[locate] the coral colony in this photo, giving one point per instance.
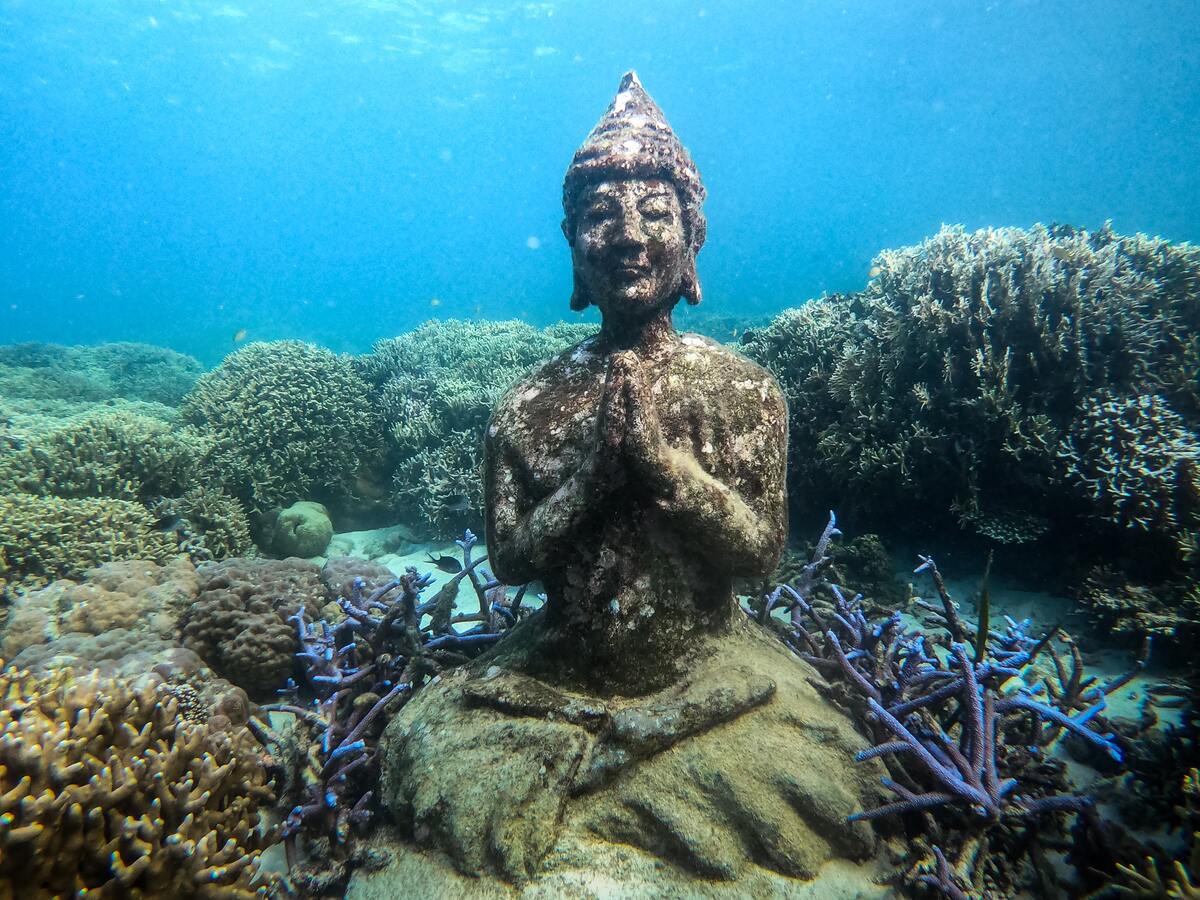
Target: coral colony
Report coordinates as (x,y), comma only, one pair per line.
(942,707)
(367,665)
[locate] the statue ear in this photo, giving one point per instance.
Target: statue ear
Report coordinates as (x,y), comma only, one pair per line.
(689,281)
(566,230)
(580,298)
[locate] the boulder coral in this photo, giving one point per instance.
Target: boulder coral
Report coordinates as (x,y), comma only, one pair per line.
(130,594)
(239,625)
(435,388)
(107,790)
(954,381)
(289,421)
(303,530)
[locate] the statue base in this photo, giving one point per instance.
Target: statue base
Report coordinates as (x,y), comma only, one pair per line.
(740,775)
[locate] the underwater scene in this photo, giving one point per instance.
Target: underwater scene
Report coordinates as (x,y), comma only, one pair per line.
(457,449)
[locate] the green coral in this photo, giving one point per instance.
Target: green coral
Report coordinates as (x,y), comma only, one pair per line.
(130,370)
(44,538)
(435,388)
(954,379)
(289,421)
(107,453)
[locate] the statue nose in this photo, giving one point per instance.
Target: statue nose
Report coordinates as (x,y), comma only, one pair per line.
(630,228)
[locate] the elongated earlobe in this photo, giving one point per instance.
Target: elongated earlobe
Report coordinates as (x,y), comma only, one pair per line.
(689,282)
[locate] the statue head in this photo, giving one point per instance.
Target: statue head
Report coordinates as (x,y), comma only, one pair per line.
(632,202)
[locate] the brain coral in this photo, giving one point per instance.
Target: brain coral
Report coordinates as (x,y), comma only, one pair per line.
(43,538)
(290,421)
(107,791)
(950,383)
(435,388)
(239,624)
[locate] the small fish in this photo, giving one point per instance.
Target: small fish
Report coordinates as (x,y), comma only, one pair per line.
(457,503)
(733,333)
(436,301)
(240,335)
(446,563)
(875,272)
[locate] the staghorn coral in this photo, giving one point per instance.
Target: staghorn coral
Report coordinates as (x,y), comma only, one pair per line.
(435,388)
(289,421)
(365,668)
(105,789)
(43,538)
(239,622)
(956,376)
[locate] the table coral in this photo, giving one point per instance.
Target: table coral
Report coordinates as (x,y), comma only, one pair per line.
(106,790)
(290,421)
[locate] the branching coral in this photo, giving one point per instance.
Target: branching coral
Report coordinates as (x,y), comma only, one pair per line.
(43,538)
(361,670)
(435,388)
(961,717)
(1135,458)
(208,524)
(956,376)
(289,420)
(106,790)
(118,454)
(134,371)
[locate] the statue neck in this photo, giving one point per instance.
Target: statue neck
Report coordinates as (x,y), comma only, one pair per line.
(643,336)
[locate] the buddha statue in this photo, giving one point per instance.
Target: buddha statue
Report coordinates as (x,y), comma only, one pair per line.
(638,735)
(638,473)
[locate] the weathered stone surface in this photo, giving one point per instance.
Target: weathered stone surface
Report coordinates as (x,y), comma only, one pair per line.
(742,771)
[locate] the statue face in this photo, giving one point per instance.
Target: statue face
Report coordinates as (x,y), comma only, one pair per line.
(630,247)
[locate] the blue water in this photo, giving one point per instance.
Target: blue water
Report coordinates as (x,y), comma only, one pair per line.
(176,171)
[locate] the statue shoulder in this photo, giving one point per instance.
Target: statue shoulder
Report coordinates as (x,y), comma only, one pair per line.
(547,377)
(732,368)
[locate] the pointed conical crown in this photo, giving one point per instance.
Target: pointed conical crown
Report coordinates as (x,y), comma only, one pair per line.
(633,140)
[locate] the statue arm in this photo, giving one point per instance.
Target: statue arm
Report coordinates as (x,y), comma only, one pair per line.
(744,535)
(525,537)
